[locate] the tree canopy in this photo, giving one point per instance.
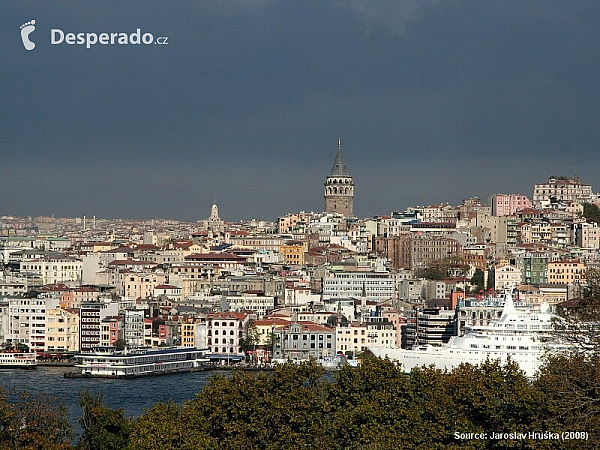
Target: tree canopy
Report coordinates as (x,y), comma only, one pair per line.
(443,268)
(373,406)
(591,212)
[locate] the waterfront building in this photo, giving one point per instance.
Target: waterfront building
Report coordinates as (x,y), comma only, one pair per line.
(354,337)
(339,187)
(27,321)
(225,331)
(300,341)
(429,326)
(89,323)
(157,332)
(62,330)
(193,332)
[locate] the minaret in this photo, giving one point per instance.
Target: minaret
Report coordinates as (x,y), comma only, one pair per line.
(339,187)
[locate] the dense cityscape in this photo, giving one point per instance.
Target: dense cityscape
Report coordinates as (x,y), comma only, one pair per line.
(324,285)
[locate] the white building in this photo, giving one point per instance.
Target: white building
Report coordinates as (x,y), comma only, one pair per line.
(27,321)
(224,332)
(261,305)
(586,235)
(506,278)
(562,189)
(51,270)
(376,286)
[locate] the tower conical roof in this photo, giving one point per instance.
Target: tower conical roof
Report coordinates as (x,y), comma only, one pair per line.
(339,166)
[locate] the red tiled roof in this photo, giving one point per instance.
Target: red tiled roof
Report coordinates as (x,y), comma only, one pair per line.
(146,247)
(312,326)
(55,287)
(122,249)
(227,315)
(86,289)
(239,233)
(268,322)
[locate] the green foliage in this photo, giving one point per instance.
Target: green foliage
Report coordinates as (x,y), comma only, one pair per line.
(478,280)
(591,212)
(34,422)
(580,326)
(268,410)
(159,427)
(251,338)
(8,428)
(373,406)
(569,382)
(103,428)
(569,387)
(443,268)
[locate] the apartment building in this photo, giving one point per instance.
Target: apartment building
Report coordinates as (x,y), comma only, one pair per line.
(27,321)
(62,330)
(562,189)
(566,272)
(508,204)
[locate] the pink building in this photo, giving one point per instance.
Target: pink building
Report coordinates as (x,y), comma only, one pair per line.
(508,204)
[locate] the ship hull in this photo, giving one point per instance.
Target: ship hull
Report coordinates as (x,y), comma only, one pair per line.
(449,358)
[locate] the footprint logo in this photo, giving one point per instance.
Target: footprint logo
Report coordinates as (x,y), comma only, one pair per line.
(26,30)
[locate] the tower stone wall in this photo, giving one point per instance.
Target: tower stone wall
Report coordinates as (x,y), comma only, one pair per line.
(339,187)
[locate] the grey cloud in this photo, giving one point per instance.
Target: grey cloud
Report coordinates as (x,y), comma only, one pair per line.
(397,16)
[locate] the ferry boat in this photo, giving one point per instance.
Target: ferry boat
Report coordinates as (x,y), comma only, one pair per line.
(18,360)
(522,336)
(131,363)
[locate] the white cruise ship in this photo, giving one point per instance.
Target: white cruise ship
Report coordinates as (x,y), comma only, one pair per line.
(18,360)
(521,335)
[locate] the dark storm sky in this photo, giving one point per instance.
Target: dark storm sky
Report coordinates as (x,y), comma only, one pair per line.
(435,101)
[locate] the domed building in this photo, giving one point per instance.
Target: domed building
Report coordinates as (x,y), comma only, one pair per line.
(214,222)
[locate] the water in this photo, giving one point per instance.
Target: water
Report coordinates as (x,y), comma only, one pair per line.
(133,396)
